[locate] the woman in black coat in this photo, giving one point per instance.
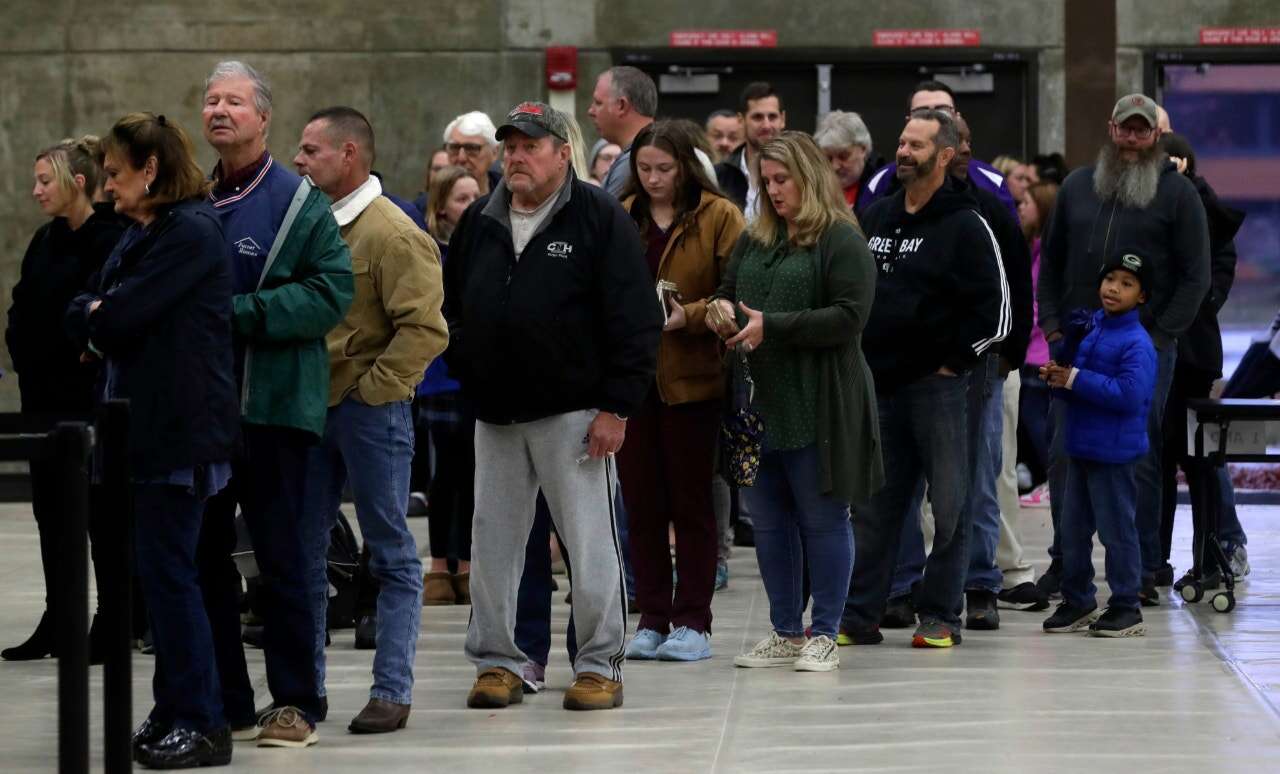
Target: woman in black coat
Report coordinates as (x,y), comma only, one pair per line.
(159,315)
(52,381)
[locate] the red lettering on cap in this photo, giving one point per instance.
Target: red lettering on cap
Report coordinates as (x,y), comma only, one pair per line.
(528,107)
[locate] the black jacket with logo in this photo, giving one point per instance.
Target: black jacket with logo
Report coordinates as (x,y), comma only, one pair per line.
(571,323)
(941,295)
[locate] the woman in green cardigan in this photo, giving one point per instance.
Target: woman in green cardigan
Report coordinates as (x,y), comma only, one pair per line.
(802,280)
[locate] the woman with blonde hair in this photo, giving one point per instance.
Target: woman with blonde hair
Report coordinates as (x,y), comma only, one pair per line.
(802,282)
(452,191)
(52,381)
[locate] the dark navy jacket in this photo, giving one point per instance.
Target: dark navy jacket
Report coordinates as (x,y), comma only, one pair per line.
(1108,402)
(165,325)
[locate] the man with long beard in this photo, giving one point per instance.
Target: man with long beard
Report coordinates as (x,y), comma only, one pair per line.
(1132,199)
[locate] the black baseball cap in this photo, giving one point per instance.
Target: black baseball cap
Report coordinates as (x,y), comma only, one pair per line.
(1132,263)
(535,119)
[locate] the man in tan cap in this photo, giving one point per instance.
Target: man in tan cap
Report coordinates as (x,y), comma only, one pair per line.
(1132,196)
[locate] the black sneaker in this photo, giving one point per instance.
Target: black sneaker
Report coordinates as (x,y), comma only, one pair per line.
(899,614)
(1050,584)
(870,637)
(1067,619)
(1024,596)
(981,613)
(1119,622)
(1150,595)
(1209,582)
(1164,575)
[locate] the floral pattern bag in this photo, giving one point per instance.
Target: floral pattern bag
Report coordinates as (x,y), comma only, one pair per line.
(742,429)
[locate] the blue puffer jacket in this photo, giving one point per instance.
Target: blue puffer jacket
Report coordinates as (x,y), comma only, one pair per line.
(1111,395)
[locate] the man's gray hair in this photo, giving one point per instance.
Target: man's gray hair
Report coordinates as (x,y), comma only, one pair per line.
(473,124)
(637,87)
(948,135)
(839,129)
(234,68)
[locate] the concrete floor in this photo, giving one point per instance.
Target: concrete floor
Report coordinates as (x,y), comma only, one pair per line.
(1200,692)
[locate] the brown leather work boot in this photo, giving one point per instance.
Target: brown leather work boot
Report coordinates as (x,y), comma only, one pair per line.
(380,717)
(437,589)
(495,688)
(591,691)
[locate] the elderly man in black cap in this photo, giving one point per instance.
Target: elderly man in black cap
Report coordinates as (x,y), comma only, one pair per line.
(1132,196)
(554,327)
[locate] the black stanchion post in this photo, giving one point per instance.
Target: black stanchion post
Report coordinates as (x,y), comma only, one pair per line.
(113,506)
(71,442)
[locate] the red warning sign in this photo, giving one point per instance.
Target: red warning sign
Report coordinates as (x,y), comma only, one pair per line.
(1240,36)
(926,38)
(724,39)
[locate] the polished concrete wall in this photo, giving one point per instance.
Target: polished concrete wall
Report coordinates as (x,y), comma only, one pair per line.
(71,67)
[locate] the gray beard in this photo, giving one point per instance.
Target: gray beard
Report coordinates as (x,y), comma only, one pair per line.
(1133,184)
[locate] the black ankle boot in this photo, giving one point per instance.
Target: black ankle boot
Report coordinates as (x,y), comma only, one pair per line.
(37,646)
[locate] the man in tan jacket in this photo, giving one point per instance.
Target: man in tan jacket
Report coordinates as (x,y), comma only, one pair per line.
(377,356)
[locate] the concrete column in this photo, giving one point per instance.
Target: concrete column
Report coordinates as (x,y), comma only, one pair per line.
(1090,59)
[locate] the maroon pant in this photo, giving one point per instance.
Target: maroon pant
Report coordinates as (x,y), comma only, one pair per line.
(665,467)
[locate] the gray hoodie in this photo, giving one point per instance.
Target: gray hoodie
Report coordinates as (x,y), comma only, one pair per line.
(1171,233)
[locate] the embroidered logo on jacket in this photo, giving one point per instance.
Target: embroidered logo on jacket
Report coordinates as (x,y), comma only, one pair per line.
(560,249)
(248,247)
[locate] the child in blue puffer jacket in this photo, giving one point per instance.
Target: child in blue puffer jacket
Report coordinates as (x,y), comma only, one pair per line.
(1108,387)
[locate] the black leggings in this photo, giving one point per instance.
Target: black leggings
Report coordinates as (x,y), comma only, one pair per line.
(452,497)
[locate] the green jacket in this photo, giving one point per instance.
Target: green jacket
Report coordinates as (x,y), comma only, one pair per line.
(848,424)
(305,290)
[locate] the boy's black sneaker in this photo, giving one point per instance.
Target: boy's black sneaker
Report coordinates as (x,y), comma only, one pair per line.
(899,613)
(1149,596)
(981,613)
(1067,619)
(1024,596)
(1119,622)
(1164,575)
(1209,582)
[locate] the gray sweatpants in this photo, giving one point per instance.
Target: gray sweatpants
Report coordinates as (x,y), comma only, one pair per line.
(512,463)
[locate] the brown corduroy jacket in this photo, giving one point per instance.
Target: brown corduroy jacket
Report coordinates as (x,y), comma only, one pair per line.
(689,364)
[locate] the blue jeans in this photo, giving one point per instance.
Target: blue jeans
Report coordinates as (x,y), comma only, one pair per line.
(984,504)
(166,534)
(793,522)
(1033,416)
(925,432)
(1148,471)
(1100,497)
(373,447)
(533,602)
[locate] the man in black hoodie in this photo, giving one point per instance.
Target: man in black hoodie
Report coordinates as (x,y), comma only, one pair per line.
(942,302)
(1135,197)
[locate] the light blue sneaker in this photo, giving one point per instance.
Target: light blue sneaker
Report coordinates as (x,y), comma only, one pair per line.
(722,576)
(684,644)
(644,646)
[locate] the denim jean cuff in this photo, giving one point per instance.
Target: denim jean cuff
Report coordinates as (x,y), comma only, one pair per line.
(395,698)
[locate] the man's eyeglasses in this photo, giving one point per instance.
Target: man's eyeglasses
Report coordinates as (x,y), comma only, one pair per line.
(471,148)
(1140,133)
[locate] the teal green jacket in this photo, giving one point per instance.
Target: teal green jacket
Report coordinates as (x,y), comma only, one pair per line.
(304,291)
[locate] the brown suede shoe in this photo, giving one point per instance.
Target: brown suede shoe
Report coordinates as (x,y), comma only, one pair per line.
(591,691)
(437,589)
(495,688)
(462,588)
(380,717)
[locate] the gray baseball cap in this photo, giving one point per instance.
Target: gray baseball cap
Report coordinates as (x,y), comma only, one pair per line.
(535,119)
(1131,105)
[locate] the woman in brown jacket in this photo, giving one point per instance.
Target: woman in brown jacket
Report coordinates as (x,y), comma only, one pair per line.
(666,465)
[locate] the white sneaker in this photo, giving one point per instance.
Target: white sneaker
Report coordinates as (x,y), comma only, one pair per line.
(772,651)
(819,654)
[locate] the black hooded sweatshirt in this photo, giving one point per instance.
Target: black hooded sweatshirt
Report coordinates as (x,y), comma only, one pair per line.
(941,294)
